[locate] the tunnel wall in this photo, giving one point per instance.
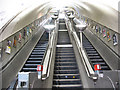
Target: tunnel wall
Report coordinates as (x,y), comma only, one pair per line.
(104,33)
(15,43)
(100,13)
(24,18)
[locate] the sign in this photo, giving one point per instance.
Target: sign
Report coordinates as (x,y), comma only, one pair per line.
(115,40)
(39,67)
(97,67)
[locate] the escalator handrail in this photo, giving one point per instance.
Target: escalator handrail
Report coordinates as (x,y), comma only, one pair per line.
(88,67)
(81,51)
(49,53)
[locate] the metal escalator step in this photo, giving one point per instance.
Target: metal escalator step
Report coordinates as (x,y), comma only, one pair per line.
(35,58)
(64,48)
(96,60)
(36,55)
(89,47)
(65,56)
(105,68)
(67,82)
(31,65)
(33,62)
(40,46)
(66,71)
(91,51)
(94,57)
(68,86)
(65,68)
(29,69)
(65,64)
(65,74)
(67,77)
(65,60)
(64,52)
(101,63)
(38,50)
(95,54)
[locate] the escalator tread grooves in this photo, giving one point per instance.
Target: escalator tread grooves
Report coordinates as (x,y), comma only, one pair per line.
(93,55)
(36,55)
(66,73)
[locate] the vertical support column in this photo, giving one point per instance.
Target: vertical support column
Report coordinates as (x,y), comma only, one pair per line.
(81,40)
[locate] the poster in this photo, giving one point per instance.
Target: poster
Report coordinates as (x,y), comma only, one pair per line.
(9,43)
(27,31)
(96,28)
(100,30)
(24,33)
(8,50)
(30,31)
(15,42)
(115,40)
(104,32)
(20,37)
(108,36)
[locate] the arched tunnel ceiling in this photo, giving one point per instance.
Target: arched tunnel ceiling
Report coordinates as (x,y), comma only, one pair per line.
(94,9)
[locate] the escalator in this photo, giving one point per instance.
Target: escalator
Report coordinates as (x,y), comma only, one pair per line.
(36,56)
(66,72)
(93,55)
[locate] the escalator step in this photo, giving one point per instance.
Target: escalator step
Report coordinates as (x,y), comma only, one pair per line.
(65,64)
(65,61)
(67,77)
(94,57)
(66,71)
(29,69)
(33,62)
(96,60)
(35,58)
(75,86)
(65,68)
(71,82)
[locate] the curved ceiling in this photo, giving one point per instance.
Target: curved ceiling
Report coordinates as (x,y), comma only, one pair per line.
(94,9)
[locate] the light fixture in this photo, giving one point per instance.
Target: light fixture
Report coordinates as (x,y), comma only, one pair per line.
(49,28)
(81,28)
